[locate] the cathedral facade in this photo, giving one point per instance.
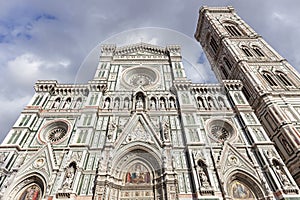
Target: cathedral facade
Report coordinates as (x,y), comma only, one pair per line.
(141,130)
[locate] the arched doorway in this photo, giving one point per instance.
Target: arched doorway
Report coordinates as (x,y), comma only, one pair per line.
(238,190)
(31,188)
(244,186)
(139,183)
(140,172)
(135,172)
(32,192)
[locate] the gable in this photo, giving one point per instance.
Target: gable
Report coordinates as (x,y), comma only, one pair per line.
(44,161)
(139,128)
(141,49)
(232,159)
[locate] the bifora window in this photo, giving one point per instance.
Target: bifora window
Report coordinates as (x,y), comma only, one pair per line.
(258,51)
(227,63)
(213,44)
(224,71)
(268,77)
(283,78)
(247,51)
(232,30)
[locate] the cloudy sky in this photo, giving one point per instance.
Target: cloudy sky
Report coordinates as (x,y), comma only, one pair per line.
(60,39)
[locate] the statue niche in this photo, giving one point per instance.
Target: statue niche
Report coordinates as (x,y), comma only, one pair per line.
(69,175)
(140,101)
(203,175)
(282,177)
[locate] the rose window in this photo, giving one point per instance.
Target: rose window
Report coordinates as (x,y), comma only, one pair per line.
(140,80)
(56,134)
(140,76)
(219,132)
(55,131)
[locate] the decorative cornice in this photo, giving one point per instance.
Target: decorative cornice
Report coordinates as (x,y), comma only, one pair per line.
(54,88)
(140,47)
(206,88)
(108,48)
(64,89)
(98,85)
(228,9)
(233,84)
(182,84)
(174,48)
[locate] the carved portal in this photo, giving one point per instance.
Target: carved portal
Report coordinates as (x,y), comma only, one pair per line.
(136,174)
(238,190)
(31,192)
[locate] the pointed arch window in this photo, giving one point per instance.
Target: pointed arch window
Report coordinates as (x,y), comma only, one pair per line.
(246,93)
(67,103)
(233,30)
(247,51)
(36,100)
(224,71)
(227,63)
(258,51)
(283,78)
(239,98)
(221,102)
(78,102)
(200,102)
(56,103)
(213,44)
(268,77)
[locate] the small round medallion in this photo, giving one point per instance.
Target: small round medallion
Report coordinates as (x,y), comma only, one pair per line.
(38,163)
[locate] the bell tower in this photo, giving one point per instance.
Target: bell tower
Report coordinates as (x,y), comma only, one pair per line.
(271,85)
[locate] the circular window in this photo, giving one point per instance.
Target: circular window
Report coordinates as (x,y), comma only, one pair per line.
(140,80)
(54,131)
(220,130)
(140,76)
(57,134)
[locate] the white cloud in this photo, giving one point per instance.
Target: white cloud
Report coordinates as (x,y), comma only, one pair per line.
(29,67)
(25,67)
(9,111)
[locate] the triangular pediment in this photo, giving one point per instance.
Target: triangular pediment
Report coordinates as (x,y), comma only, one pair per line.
(141,49)
(139,128)
(231,159)
(44,161)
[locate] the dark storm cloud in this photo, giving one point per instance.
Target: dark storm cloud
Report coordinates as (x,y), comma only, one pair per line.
(50,39)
